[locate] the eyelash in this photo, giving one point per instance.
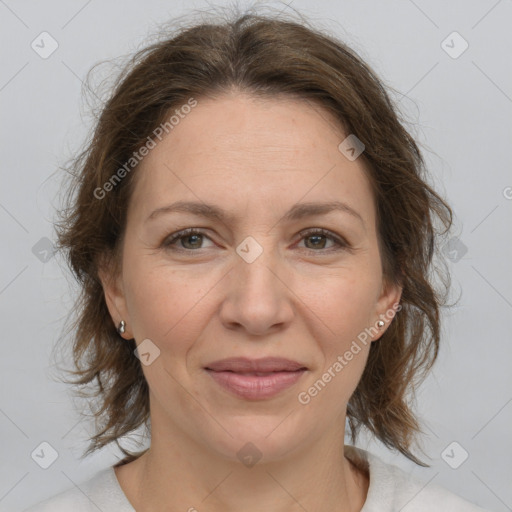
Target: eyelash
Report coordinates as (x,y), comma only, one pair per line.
(175,237)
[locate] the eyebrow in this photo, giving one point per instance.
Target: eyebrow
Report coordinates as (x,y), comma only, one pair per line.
(296,212)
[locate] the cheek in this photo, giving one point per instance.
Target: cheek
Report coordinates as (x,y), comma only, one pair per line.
(165,305)
(343,311)
(342,302)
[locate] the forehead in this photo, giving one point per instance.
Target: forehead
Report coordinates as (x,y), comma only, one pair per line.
(241,152)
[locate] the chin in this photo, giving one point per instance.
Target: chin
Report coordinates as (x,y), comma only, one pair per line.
(265,438)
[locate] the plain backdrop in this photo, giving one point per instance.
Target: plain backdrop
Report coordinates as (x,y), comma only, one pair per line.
(458,103)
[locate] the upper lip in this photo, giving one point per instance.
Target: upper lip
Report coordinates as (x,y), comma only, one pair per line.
(266,364)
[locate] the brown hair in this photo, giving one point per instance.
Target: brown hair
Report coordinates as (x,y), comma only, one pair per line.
(265,56)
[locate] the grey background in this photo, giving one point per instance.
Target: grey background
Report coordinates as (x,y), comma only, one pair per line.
(458,108)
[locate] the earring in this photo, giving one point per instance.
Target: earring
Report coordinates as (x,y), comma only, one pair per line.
(380,324)
(121,327)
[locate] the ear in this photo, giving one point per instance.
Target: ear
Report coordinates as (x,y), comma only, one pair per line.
(111,281)
(387,306)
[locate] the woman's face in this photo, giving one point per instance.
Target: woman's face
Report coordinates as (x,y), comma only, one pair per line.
(260,282)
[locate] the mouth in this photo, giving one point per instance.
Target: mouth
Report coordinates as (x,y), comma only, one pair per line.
(255,379)
(264,365)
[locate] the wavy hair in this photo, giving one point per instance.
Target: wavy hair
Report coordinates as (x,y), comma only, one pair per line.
(267,56)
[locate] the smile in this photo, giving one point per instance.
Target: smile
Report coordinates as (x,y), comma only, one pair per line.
(256,379)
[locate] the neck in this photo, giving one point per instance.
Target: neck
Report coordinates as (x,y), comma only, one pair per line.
(188,477)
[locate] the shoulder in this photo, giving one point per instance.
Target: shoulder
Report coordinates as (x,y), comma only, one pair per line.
(101,492)
(391,488)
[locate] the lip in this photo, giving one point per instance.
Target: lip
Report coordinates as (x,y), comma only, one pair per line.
(256,379)
(245,365)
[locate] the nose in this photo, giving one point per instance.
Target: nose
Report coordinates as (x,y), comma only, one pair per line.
(257,297)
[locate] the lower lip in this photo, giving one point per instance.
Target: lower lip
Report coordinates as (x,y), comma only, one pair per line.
(256,387)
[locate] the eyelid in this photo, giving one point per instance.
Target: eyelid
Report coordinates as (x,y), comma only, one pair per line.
(326,232)
(341,242)
(171,240)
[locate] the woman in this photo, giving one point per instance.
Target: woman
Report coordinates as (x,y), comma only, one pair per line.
(253,233)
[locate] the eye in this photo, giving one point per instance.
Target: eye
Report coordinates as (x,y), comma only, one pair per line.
(191,237)
(318,237)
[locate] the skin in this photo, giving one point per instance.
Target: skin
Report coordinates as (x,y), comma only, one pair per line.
(304,298)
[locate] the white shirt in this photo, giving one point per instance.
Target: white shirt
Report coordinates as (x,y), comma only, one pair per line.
(391,489)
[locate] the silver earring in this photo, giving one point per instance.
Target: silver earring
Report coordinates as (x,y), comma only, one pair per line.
(380,324)
(121,327)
